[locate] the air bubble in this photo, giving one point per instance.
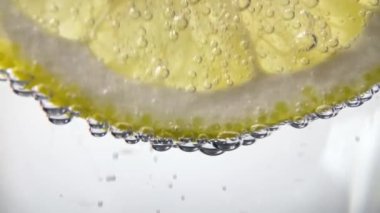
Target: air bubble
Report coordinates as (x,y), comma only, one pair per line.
(100,204)
(147,15)
(333,42)
(180,22)
(247,140)
(169,13)
(310,3)
(300,123)
(162,145)
(306,41)
(227,145)
(260,131)
(19,88)
(118,133)
(288,14)
(60,119)
(241,4)
(132,139)
(208,149)
(198,59)
(134,13)
(162,72)
(142,42)
(173,35)
(111,178)
(170,186)
(98,129)
(326,112)
(187,145)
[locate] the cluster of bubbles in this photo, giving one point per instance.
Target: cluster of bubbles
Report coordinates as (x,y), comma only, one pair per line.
(213,147)
(298,34)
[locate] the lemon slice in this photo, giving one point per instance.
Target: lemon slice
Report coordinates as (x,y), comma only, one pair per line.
(193,68)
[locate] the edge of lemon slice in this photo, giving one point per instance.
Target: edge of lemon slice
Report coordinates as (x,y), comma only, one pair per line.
(78,80)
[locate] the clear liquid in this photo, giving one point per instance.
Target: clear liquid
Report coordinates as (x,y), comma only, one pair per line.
(330,166)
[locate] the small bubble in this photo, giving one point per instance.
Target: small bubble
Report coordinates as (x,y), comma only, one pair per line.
(111,178)
(115,156)
(230,82)
(306,41)
(244,44)
(134,13)
(155,159)
(142,42)
(173,35)
(192,73)
(169,13)
(297,25)
(216,51)
(288,14)
(207,85)
(198,59)
(310,3)
(305,61)
(54,23)
(170,185)
(162,72)
(180,22)
(333,42)
(242,4)
(191,88)
(147,15)
(100,204)
(214,44)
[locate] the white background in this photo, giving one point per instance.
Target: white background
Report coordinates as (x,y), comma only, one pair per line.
(331,166)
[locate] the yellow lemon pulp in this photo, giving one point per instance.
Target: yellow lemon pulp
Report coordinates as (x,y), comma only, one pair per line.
(203,45)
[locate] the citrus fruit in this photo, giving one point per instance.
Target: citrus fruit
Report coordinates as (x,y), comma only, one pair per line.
(193,68)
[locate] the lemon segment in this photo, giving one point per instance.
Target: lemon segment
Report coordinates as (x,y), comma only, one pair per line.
(194,46)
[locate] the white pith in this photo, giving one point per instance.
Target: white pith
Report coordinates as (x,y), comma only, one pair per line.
(73,63)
